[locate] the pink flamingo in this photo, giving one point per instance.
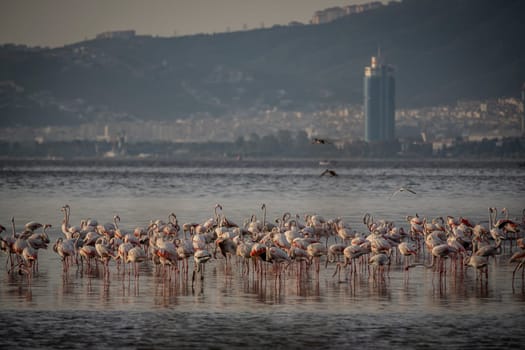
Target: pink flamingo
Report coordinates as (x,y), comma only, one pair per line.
(518,257)
(480,263)
(440,253)
(87,252)
(379,261)
(315,252)
(406,250)
(135,256)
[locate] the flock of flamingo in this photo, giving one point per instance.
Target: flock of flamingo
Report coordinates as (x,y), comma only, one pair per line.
(260,247)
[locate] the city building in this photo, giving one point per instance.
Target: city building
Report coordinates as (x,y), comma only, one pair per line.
(523,110)
(117,34)
(379,102)
(332,13)
(327,15)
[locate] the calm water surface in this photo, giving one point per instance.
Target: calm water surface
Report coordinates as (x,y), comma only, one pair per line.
(228,310)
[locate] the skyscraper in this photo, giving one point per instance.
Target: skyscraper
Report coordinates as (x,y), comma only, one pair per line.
(380,106)
(523,110)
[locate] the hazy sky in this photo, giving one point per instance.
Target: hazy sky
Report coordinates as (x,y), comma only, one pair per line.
(58,22)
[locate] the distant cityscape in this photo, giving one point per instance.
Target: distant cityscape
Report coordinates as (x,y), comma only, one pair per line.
(332,13)
(432,129)
(376,127)
(376,121)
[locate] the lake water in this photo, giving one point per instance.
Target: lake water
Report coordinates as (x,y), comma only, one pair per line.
(414,309)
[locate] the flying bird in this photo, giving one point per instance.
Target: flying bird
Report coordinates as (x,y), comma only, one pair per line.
(403,189)
(320,141)
(329,172)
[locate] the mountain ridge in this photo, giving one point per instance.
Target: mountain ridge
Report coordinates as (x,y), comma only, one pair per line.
(442,51)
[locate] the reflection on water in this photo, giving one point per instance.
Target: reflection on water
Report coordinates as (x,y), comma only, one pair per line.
(230,309)
(227,309)
(224,286)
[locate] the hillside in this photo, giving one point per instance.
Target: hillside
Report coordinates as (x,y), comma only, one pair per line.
(443,50)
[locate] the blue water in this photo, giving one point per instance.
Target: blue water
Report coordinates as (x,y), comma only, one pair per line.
(414,309)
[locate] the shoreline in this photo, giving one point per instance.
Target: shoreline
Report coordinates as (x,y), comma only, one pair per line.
(258,161)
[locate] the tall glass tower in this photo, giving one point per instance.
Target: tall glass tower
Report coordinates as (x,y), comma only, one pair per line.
(523,110)
(380,106)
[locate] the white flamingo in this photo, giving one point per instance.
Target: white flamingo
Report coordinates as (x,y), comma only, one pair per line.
(200,258)
(406,250)
(315,252)
(480,263)
(104,253)
(135,256)
(379,261)
(88,253)
(66,250)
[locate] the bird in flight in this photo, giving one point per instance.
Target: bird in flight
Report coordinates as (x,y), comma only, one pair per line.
(329,172)
(403,189)
(320,141)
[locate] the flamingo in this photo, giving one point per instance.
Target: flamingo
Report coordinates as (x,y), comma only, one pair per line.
(315,252)
(68,230)
(122,253)
(378,261)
(508,226)
(440,253)
(136,255)
(2,229)
(344,232)
(281,239)
(66,250)
(518,257)
(167,252)
(21,242)
(417,229)
(34,242)
(88,252)
(258,252)
(279,256)
(104,253)
(407,250)
(263,208)
(318,224)
(350,253)
(91,237)
(184,250)
(293,232)
(40,240)
(520,242)
(437,223)
(200,258)
(300,256)
(32,226)
(8,244)
(334,252)
(30,256)
(488,250)
(199,241)
(243,251)
(480,263)
(227,246)
(172,228)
